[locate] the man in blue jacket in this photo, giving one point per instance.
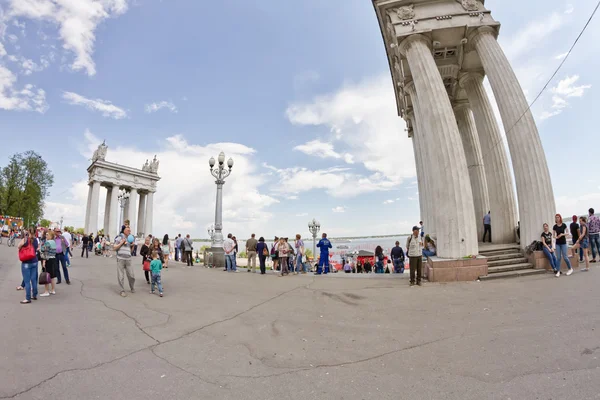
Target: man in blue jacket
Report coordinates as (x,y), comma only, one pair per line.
(324,244)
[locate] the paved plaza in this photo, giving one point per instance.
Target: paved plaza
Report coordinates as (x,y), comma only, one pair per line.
(218,335)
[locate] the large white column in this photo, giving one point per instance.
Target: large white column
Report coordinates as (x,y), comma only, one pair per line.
(113,220)
(149,212)
(503,205)
(418,164)
(141,221)
(132,210)
(94,200)
(450,185)
(534,186)
(422,158)
(86,221)
(475,164)
(106,225)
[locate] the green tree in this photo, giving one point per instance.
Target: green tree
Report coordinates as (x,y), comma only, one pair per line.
(70,228)
(308,253)
(79,231)
(45,223)
(24,186)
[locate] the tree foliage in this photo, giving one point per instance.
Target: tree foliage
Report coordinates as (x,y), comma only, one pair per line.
(79,231)
(24,186)
(45,223)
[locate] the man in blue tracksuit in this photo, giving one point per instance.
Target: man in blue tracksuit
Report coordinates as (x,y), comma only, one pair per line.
(324,244)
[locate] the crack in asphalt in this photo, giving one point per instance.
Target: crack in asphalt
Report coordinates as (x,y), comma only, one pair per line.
(151,347)
(137,323)
(342,364)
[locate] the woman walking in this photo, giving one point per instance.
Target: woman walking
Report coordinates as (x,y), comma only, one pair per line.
(166,250)
(146,258)
(560,236)
(29,267)
(263,252)
(283,250)
(49,249)
(584,242)
(549,250)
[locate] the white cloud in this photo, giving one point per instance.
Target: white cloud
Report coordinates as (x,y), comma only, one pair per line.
(569,9)
(177,210)
(323,150)
(565,89)
(105,107)
(561,56)
(77,21)
(27,99)
(302,215)
(2,50)
(388,202)
(337,181)
(363,117)
(154,107)
(28,66)
(339,209)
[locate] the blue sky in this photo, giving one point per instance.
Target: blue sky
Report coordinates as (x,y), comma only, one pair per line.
(297,92)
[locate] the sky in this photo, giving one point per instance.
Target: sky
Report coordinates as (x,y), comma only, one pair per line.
(298,93)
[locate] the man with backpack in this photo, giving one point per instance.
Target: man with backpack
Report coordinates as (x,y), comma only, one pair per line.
(188,248)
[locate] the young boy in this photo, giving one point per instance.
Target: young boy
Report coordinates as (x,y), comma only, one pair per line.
(155,267)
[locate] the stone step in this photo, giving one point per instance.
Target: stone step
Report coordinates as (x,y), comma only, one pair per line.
(518,260)
(513,274)
(509,267)
(503,257)
(500,252)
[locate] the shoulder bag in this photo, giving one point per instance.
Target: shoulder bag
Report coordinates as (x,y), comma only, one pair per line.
(27,252)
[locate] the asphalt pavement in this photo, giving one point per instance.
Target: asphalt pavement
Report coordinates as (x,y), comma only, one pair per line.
(218,335)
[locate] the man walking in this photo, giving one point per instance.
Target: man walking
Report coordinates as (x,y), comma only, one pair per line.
(300,267)
(69,240)
(178,255)
(415,256)
(123,249)
(251,252)
(594,229)
(188,247)
(61,249)
(397,256)
(487,226)
(324,244)
(229,248)
(85,242)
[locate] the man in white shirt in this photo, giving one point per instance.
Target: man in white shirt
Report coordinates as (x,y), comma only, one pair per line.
(69,240)
(229,247)
(415,255)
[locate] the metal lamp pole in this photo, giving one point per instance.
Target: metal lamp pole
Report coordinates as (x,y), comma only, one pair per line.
(220,173)
(314,227)
(61,223)
(211,233)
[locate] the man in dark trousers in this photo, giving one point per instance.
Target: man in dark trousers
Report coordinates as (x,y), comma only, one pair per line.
(415,255)
(487,226)
(397,256)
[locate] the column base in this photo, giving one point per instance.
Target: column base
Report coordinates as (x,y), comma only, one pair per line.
(215,257)
(456,270)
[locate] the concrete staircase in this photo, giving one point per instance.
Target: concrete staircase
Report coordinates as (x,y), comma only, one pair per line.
(506,261)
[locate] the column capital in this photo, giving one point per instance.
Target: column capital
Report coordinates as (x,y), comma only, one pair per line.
(410,88)
(459,105)
(470,76)
(475,35)
(418,38)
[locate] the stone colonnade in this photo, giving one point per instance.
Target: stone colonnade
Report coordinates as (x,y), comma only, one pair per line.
(138,209)
(462,166)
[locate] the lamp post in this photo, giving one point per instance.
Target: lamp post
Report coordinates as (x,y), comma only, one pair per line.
(61,223)
(314,227)
(123,200)
(211,232)
(220,172)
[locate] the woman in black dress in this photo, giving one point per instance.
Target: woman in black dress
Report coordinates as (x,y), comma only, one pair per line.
(146,257)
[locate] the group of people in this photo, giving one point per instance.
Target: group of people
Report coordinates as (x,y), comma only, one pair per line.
(51,249)
(585,234)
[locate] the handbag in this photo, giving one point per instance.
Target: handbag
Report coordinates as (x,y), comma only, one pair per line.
(146,265)
(27,252)
(265,252)
(44,278)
